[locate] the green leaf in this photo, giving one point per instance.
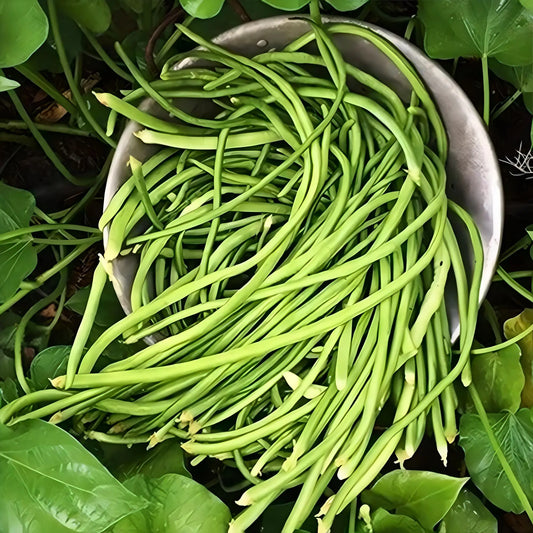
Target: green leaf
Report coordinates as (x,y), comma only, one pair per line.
(520,77)
(514,433)
(7,84)
(23,29)
(474,28)
(178,505)
(528,4)
(468,514)
(511,328)
(423,496)
(50,482)
(48,364)
(8,327)
(385,522)
(203,9)
(7,366)
(287,5)
(16,205)
(109,308)
(166,458)
(95,15)
(347,5)
(499,379)
(8,391)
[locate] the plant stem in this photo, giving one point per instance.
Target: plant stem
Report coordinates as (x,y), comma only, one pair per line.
(105,56)
(506,104)
(54,25)
(486,88)
(522,243)
(54,128)
(514,284)
(499,452)
(47,87)
(43,143)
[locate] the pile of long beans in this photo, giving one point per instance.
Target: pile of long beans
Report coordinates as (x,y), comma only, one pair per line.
(293,250)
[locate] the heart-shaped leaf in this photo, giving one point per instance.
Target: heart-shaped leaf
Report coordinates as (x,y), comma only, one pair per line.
(514,433)
(474,28)
(95,15)
(424,496)
(23,28)
(50,482)
(47,365)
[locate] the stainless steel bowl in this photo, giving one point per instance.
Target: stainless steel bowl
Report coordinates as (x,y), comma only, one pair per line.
(473,176)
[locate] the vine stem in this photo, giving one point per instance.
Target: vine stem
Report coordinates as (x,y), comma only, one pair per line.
(486,88)
(478,404)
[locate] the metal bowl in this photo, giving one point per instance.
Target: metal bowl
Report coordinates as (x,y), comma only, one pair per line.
(473,176)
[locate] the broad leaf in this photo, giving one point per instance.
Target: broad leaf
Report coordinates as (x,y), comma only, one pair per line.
(423,496)
(287,5)
(166,458)
(178,504)
(520,77)
(50,482)
(16,207)
(499,379)
(7,85)
(48,364)
(511,328)
(474,28)
(528,4)
(347,5)
(95,15)
(9,391)
(203,9)
(514,433)
(17,260)
(385,522)
(468,514)
(109,309)
(23,28)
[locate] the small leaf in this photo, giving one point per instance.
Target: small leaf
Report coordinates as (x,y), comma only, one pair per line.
(49,364)
(287,5)
(474,28)
(468,514)
(23,29)
(511,328)
(203,9)
(17,260)
(347,5)
(109,308)
(520,77)
(8,391)
(423,496)
(514,433)
(499,379)
(385,522)
(50,482)
(7,84)
(166,458)
(95,15)
(17,205)
(178,505)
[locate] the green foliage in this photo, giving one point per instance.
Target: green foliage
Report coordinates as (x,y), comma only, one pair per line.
(385,522)
(23,28)
(178,504)
(95,15)
(294,5)
(203,9)
(499,379)
(423,496)
(18,258)
(514,433)
(511,328)
(47,365)
(50,482)
(474,28)
(520,77)
(468,514)
(166,458)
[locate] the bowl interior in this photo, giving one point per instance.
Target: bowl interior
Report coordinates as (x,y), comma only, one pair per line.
(472,168)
